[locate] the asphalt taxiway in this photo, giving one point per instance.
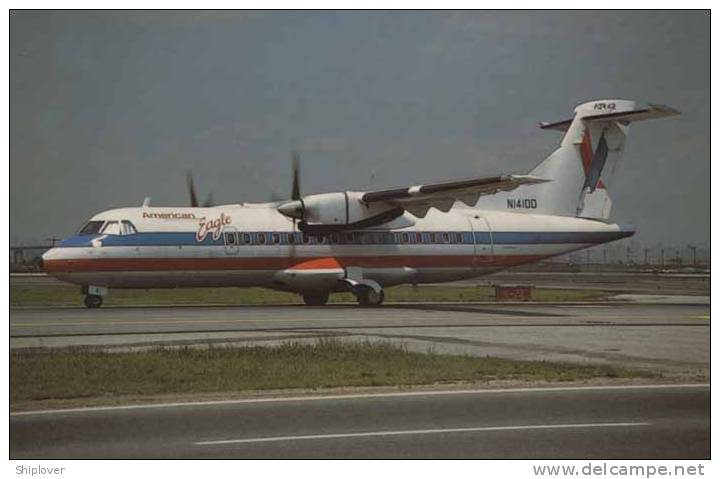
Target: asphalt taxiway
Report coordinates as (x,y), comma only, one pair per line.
(667,337)
(640,282)
(631,422)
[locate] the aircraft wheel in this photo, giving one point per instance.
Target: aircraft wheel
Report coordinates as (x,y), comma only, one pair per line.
(370,297)
(93,301)
(315,299)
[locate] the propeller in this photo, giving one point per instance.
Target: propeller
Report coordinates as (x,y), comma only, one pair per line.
(193,195)
(296,176)
(191,190)
(274,197)
(296,204)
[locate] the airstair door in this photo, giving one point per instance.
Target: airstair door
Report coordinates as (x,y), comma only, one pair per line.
(230,238)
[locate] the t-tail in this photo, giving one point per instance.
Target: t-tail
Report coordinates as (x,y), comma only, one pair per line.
(580,169)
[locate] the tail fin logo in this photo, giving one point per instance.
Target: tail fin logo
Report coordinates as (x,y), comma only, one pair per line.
(593,163)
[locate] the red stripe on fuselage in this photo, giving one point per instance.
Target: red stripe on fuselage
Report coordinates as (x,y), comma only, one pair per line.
(279,263)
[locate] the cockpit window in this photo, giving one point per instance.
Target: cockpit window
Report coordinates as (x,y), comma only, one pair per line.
(127,228)
(92,228)
(111,228)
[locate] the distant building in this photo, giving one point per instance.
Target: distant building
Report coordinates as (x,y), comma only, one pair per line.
(26,258)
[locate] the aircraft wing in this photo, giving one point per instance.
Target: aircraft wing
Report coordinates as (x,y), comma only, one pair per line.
(420,198)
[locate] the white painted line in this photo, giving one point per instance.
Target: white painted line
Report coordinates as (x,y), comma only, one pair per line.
(418,432)
(340,397)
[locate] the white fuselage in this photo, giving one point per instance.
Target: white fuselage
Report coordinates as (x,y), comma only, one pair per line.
(254,245)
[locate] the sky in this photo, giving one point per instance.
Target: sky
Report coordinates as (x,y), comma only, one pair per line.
(107,108)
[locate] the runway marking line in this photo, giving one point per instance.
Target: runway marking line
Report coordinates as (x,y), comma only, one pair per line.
(194,321)
(340,397)
(417,432)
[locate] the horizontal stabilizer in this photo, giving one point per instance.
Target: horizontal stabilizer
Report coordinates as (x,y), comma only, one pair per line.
(651,112)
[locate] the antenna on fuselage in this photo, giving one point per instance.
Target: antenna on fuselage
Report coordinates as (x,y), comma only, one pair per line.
(146,202)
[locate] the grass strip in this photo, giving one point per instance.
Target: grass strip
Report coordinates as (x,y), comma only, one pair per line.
(60,295)
(91,373)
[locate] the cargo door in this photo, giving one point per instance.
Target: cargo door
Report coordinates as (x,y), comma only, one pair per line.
(483,241)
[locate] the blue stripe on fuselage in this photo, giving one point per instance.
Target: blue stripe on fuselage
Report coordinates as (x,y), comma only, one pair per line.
(498,238)
(141,239)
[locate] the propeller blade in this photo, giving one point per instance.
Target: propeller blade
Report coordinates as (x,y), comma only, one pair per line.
(296,176)
(209,201)
(191,190)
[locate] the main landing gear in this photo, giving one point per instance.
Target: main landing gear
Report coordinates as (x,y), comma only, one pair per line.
(366,296)
(315,299)
(370,297)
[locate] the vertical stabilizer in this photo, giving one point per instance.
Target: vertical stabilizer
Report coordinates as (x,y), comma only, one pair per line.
(580,169)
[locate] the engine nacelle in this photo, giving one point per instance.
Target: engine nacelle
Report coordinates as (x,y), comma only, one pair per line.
(339,210)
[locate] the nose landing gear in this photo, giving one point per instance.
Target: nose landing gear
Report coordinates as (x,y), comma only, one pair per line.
(369,297)
(93,301)
(94,295)
(315,299)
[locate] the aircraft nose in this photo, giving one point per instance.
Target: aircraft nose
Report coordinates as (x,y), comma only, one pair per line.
(43,258)
(48,255)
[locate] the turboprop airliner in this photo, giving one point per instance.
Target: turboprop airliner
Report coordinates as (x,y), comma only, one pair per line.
(364,241)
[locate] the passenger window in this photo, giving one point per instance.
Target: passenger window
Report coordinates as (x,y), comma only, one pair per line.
(457,237)
(111,228)
(230,238)
(432,238)
(276,238)
(405,238)
(247,239)
(305,238)
(445,237)
(418,238)
(261,238)
(291,238)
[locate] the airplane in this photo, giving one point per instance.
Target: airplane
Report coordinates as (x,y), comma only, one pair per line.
(365,241)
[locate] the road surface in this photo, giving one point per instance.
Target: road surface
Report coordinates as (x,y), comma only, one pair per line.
(627,422)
